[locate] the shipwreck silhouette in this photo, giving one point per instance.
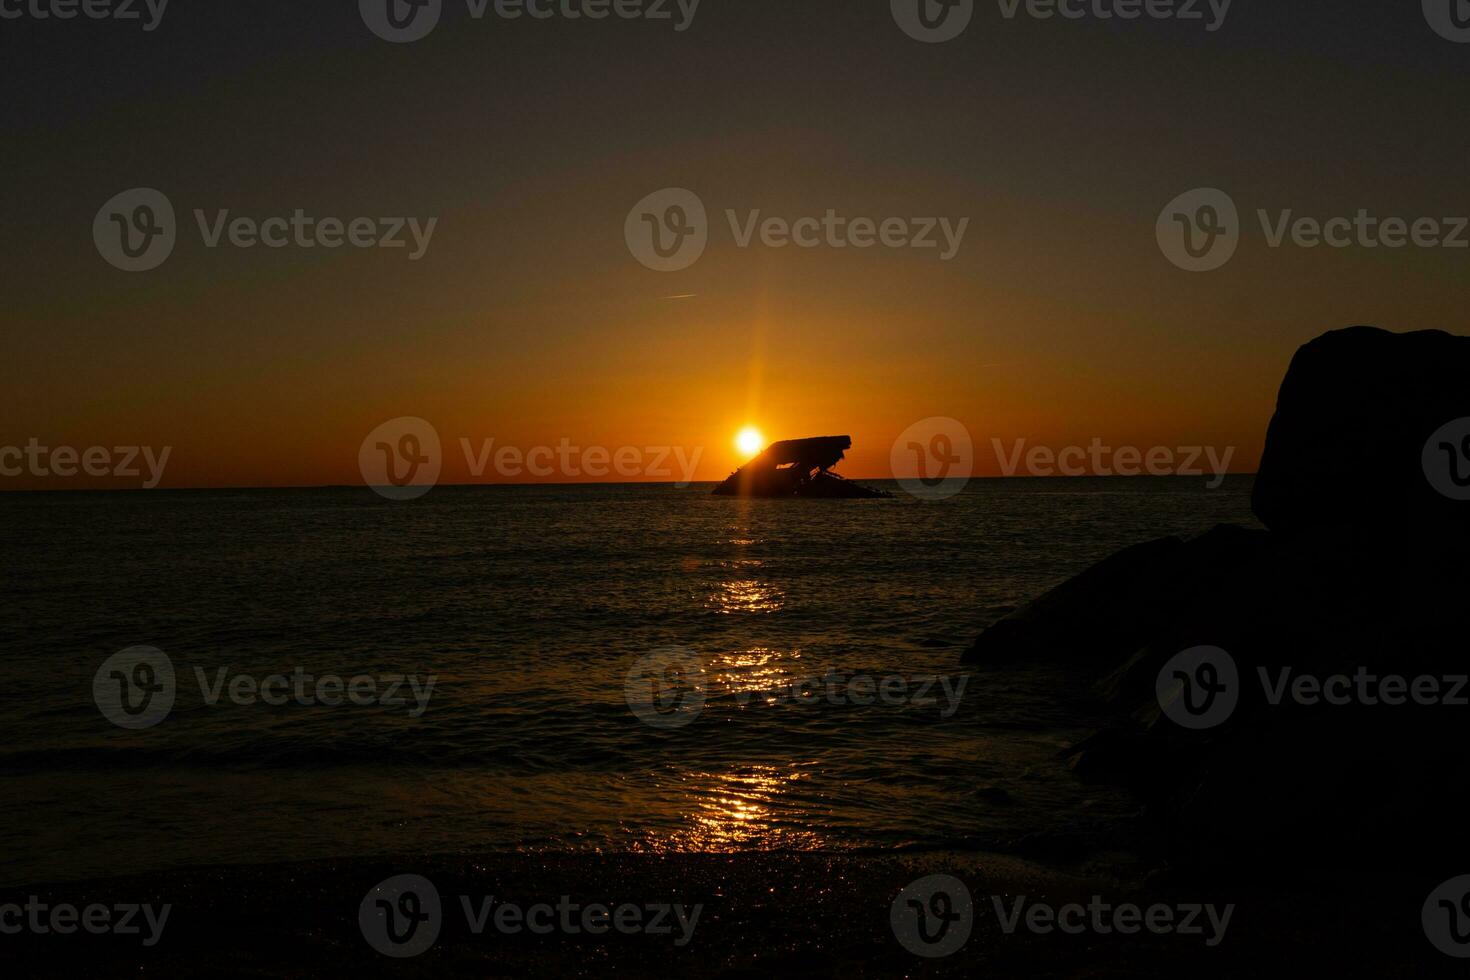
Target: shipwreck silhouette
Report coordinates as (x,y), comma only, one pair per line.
(796,468)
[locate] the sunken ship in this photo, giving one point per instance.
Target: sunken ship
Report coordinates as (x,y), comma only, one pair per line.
(796,468)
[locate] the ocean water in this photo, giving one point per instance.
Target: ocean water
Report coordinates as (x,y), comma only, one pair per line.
(530,607)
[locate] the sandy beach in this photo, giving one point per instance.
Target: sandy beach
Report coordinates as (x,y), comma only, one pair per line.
(761,915)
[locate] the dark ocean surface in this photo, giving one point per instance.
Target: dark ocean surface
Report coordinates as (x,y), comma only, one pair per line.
(529,607)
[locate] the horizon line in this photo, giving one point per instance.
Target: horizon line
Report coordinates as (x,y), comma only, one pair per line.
(583,483)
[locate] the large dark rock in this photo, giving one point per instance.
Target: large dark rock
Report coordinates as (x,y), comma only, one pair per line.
(1364,567)
(1355,472)
(1344,449)
(1122,603)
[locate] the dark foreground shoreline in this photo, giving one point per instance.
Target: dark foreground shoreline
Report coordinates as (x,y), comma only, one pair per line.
(764,914)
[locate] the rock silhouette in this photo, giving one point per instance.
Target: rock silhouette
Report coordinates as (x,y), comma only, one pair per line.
(1344,449)
(796,468)
(1329,619)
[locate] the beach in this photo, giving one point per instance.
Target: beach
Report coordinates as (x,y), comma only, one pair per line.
(762,915)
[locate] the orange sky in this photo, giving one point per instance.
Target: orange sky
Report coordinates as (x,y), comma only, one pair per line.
(530,322)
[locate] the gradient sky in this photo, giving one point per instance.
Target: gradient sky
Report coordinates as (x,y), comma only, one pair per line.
(529,321)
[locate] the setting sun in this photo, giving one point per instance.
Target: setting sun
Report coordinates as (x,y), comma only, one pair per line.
(750,441)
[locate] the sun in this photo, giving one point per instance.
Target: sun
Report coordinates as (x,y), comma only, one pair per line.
(749,441)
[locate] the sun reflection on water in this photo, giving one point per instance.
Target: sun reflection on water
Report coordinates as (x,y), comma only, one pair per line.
(744,593)
(757,671)
(748,809)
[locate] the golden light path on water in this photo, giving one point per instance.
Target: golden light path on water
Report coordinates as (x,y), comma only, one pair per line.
(742,810)
(738,810)
(747,595)
(751,807)
(740,591)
